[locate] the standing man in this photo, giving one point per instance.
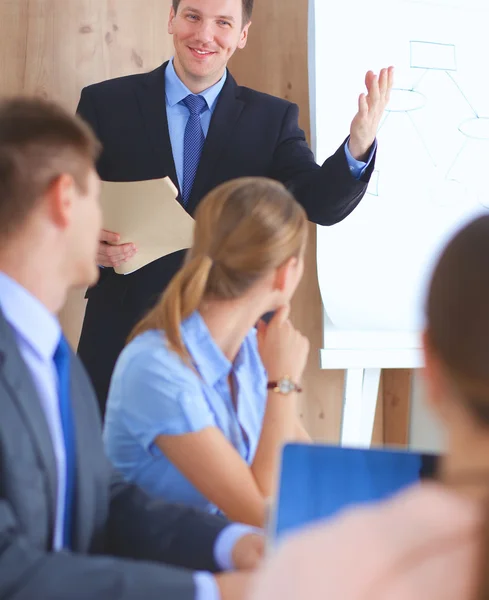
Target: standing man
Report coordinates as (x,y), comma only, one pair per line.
(70,528)
(189,120)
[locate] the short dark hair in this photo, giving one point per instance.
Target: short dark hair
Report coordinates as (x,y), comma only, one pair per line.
(39,142)
(247,9)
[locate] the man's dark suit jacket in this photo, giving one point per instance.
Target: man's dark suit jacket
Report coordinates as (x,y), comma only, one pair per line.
(250,134)
(111,517)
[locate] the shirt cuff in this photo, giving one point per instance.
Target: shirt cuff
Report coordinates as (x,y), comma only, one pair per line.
(205,586)
(226,540)
(358,167)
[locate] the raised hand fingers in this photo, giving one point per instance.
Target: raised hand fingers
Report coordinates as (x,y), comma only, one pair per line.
(373,95)
(362,105)
(368,79)
(390,83)
(383,82)
(372,82)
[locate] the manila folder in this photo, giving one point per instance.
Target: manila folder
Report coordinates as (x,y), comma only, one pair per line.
(147,214)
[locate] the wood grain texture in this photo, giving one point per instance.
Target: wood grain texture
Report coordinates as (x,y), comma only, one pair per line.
(275,58)
(397,387)
(392,418)
(53,48)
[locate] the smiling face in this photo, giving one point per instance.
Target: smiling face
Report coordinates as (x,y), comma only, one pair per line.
(206,33)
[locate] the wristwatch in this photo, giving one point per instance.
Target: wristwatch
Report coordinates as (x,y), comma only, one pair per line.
(283,386)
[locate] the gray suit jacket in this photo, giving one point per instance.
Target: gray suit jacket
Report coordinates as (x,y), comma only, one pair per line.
(114,522)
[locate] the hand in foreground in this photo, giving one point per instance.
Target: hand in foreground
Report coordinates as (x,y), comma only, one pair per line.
(282,348)
(110,255)
(371,107)
(234,586)
(248,552)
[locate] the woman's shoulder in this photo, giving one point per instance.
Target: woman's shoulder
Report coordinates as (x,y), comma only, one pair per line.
(148,355)
(150,345)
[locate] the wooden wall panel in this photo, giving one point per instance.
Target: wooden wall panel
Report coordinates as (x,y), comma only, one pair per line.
(397,386)
(392,418)
(53,48)
(275,58)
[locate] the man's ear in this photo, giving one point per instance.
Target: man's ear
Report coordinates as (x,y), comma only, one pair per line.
(59,199)
(170,20)
(244,36)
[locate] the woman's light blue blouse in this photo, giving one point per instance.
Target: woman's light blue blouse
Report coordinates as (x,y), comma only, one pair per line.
(154,392)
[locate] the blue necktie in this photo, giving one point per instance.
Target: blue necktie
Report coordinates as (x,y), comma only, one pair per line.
(62,362)
(193,143)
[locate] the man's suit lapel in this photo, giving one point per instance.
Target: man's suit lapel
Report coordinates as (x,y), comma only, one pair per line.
(226,114)
(18,378)
(152,100)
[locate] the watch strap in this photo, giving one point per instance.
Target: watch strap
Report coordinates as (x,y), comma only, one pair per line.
(284,386)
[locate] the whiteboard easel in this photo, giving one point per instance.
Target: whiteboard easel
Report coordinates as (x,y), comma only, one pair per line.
(363,355)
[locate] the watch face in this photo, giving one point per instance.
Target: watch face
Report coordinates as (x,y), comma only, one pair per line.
(285,386)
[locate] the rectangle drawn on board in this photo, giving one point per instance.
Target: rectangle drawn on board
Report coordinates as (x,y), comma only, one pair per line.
(431,55)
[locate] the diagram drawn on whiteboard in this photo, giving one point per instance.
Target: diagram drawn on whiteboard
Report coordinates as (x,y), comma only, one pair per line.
(429,57)
(431,164)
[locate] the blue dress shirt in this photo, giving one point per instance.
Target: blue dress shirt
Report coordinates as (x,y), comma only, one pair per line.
(154,392)
(38,332)
(178,115)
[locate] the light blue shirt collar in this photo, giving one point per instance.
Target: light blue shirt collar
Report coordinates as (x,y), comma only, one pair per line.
(29,317)
(210,360)
(176,90)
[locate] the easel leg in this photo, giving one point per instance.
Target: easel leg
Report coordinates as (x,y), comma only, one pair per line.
(360,403)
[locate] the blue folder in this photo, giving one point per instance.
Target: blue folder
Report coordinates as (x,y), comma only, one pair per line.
(317,481)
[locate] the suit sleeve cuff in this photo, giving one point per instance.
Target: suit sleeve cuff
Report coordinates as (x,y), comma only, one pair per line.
(226,540)
(358,167)
(205,586)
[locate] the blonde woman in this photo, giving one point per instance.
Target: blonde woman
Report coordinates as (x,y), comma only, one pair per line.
(200,401)
(432,541)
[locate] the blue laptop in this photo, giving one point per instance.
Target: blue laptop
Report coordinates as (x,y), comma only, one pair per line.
(317,481)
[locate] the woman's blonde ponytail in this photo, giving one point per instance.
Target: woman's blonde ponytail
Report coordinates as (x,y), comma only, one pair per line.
(181,298)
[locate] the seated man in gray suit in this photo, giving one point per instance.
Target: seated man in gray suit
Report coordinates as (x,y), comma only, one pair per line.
(69,526)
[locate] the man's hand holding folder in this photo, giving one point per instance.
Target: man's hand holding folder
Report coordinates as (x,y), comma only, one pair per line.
(111,252)
(143,221)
